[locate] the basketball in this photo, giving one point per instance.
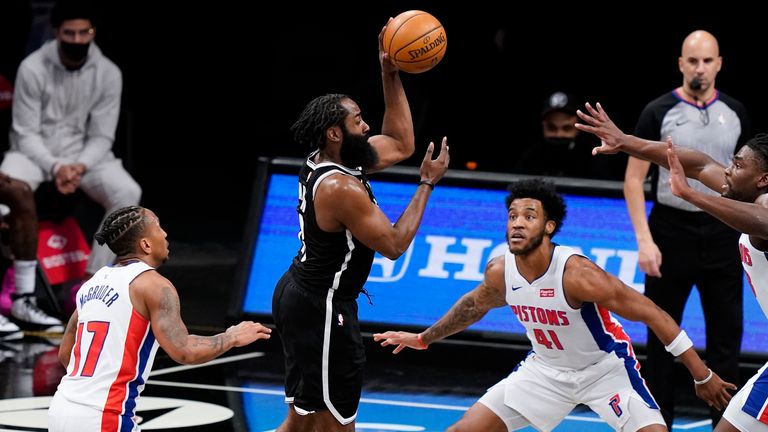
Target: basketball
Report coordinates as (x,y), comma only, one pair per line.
(415,41)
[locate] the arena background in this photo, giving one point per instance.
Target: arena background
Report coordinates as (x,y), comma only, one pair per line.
(210,86)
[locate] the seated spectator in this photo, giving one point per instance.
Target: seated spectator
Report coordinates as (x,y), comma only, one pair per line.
(563,151)
(8,330)
(66,105)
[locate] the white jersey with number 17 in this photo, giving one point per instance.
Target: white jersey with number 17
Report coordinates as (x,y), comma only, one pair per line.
(114,348)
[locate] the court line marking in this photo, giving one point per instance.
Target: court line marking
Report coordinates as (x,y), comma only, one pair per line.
(219,360)
(282,394)
(383,401)
(692,425)
(216,387)
(239,357)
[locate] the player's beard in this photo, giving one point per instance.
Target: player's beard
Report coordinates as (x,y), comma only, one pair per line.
(731,193)
(532,245)
(738,196)
(356,151)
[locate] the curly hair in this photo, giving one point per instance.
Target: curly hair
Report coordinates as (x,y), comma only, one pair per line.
(319,114)
(64,10)
(122,229)
(759,145)
(544,192)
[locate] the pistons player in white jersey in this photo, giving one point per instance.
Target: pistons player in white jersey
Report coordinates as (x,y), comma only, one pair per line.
(581,354)
(743,205)
(123,313)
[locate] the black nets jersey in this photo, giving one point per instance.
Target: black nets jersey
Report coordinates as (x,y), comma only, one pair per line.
(328,260)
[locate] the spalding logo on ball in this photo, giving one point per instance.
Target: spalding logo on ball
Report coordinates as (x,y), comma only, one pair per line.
(415,41)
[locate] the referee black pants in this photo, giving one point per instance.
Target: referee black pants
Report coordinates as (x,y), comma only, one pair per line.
(697,249)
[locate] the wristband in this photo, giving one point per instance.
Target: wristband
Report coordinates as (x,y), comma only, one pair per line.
(428,183)
(424,346)
(680,345)
(705,380)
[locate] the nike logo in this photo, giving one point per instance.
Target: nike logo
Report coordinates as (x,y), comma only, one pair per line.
(516,288)
(682,121)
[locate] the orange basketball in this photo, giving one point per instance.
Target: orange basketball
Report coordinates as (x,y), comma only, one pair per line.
(415,41)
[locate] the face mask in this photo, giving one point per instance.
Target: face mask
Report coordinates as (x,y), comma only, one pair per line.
(568,143)
(75,53)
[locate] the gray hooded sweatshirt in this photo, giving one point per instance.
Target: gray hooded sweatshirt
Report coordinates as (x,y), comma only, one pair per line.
(63,116)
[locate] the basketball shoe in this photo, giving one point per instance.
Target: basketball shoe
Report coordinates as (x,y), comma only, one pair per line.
(27,315)
(9,330)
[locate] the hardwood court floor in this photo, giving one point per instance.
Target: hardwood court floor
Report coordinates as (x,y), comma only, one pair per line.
(242,391)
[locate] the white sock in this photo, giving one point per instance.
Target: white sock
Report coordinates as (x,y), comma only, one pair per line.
(25,276)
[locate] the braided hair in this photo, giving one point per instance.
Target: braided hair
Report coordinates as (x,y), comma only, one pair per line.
(121,229)
(319,114)
(543,191)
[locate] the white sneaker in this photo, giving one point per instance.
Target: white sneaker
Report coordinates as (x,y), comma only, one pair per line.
(9,351)
(28,315)
(9,330)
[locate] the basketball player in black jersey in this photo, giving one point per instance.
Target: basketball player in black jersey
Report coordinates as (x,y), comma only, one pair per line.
(341,227)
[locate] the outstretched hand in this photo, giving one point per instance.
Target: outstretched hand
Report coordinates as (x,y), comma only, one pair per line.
(432,170)
(247,332)
(401,339)
(715,392)
(678,183)
(599,124)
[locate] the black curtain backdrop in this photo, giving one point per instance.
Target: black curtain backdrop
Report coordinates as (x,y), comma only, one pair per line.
(209,87)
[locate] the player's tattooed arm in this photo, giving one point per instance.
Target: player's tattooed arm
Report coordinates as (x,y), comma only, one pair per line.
(172,333)
(472,306)
(68,340)
(154,297)
(168,317)
(170,307)
(219,343)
